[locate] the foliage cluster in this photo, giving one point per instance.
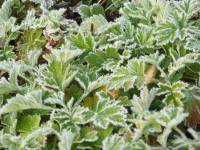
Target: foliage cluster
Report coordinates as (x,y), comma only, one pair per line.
(123,75)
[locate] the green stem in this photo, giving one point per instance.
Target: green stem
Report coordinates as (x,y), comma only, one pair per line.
(179,131)
(109,7)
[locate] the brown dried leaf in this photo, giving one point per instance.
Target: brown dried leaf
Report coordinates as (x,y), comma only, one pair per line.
(114,93)
(52,41)
(194,118)
(150,74)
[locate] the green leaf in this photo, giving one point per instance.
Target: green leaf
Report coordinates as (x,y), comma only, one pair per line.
(176,27)
(66,140)
(114,142)
(28,123)
(171,117)
(138,145)
(14,67)
(89,80)
(32,100)
(87,134)
(6,10)
(88,11)
(188,59)
(146,11)
(188,7)
(58,74)
(100,58)
(107,112)
(83,42)
(129,76)
(140,105)
(193,44)
(173,92)
(145,37)
(34,140)
(135,14)
(71,116)
(32,38)
(9,122)
(7,87)
(95,24)
(9,141)
(33,57)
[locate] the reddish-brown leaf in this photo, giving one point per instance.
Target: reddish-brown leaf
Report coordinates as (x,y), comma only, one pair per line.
(194,118)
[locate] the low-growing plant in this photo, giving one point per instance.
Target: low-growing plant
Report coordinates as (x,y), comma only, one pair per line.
(121,75)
